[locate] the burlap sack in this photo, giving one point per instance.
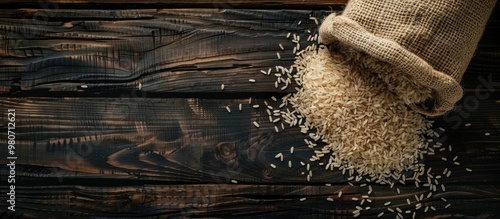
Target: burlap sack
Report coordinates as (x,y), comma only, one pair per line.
(430,42)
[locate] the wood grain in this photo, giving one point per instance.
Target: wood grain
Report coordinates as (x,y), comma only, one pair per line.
(142,46)
(170,149)
(177,146)
(221,4)
(249,201)
(110,51)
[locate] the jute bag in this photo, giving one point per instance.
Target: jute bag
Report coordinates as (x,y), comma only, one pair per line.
(420,48)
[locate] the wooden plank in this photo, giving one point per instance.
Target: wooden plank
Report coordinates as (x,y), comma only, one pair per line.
(166,50)
(249,201)
(303,4)
(180,50)
(197,140)
(146,154)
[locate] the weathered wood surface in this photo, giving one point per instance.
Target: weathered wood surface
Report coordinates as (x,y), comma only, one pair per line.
(170,150)
(175,50)
(108,51)
(221,4)
(188,140)
(248,201)
(98,152)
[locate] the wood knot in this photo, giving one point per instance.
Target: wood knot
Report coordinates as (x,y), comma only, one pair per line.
(226,152)
(124,64)
(269,173)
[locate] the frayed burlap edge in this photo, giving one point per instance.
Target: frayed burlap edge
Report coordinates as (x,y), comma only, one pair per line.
(446,90)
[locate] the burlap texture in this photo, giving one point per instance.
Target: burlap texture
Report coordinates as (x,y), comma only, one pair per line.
(431,41)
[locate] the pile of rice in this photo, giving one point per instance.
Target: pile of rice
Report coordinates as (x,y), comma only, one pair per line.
(367,128)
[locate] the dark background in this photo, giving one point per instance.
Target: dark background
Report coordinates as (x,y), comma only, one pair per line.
(119,114)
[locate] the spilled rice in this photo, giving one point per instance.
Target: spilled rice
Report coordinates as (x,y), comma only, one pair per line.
(362,122)
(366,128)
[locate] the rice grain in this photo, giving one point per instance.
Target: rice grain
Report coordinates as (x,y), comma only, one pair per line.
(281,47)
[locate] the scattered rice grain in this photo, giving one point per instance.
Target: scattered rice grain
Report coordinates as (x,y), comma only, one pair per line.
(315,20)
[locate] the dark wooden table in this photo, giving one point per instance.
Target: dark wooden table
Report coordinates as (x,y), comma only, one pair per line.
(120,114)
